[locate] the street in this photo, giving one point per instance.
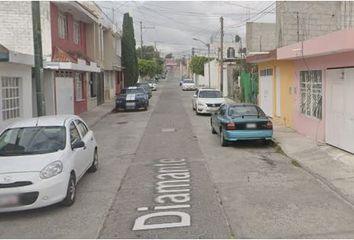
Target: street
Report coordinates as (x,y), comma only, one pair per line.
(162,174)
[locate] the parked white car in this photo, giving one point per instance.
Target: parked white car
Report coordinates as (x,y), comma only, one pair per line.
(188,84)
(42,159)
(207,100)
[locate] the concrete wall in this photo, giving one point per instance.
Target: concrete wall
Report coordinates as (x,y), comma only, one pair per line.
(260,36)
(25,72)
(311,19)
(16,27)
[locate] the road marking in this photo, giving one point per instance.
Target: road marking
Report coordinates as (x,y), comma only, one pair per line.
(168,130)
(173,187)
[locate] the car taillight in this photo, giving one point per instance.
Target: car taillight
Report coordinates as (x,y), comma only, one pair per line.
(231,126)
(269,125)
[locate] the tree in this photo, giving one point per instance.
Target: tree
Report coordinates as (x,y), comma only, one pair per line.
(149,52)
(149,67)
(197,64)
(169,55)
(129,58)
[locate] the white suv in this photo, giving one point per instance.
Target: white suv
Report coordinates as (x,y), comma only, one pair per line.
(207,100)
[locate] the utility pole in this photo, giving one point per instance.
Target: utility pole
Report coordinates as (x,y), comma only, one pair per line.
(208,45)
(298,26)
(38,61)
(141,39)
(222,54)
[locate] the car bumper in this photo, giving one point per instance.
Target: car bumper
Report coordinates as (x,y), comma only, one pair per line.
(43,192)
(206,110)
(189,88)
(235,135)
(136,105)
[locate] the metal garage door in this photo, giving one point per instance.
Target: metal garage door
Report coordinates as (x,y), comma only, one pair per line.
(266,91)
(339,108)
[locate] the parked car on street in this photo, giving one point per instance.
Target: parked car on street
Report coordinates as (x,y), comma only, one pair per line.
(43,159)
(188,84)
(207,100)
(235,122)
(146,86)
(132,98)
(153,85)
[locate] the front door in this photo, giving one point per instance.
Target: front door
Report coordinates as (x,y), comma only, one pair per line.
(339,114)
(266,94)
(64,95)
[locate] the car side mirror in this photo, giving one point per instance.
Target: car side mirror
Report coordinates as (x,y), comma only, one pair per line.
(78,144)
(195,95)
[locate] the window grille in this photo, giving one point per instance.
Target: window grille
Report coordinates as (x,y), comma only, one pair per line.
(311,93)
(10,96)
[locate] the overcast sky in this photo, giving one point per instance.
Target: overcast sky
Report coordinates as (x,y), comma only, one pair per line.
(173,24)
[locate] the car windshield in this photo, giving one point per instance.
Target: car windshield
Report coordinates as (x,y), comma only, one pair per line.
(236,111)
(188,81)
(210,94)
(132,90)
(32,140)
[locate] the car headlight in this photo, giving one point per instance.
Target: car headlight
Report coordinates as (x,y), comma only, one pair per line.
(201,104)
(51,170)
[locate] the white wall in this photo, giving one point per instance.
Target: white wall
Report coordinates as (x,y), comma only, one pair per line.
(16,27)
(24,72)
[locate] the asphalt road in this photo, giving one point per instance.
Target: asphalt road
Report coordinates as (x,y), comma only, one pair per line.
(164,175)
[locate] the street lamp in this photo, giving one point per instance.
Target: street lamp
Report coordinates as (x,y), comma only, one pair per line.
(208,46)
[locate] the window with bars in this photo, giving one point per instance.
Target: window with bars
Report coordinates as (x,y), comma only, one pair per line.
(62,26)
(311,93)
(266,72)
(10,96)
(76,32)
(78,88)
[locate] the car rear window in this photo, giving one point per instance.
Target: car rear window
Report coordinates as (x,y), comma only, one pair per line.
(209,94)
(245,111)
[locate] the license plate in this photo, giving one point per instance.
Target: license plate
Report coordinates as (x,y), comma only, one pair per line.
(130,105)
(251,125)
(8,200)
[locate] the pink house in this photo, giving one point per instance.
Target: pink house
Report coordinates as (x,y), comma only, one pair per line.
(324,87)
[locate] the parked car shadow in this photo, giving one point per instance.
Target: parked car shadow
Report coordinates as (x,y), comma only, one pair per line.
(253,144)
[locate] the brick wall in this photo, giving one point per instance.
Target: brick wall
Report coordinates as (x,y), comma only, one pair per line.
(307,19)
(16,26)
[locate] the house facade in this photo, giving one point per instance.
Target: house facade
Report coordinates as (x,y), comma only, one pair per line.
(73,56)
(309,87)
(15,79)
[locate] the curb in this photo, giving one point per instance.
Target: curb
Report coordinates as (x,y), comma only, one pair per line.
(323,180)
(100,118)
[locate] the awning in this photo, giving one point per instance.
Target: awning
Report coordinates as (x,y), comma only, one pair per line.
(63,60)
(9,56)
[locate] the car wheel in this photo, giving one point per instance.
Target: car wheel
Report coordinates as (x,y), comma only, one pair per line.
(70,192)
(94,165)
(223,141)
(212,128)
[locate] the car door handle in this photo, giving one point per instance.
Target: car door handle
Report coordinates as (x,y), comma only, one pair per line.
(91,138)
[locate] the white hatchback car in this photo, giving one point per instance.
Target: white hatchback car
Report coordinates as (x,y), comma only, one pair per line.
(188,84)
(207,100)
(42,159)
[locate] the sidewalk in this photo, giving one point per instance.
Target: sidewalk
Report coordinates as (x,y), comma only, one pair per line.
(332,166)
(95,115)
